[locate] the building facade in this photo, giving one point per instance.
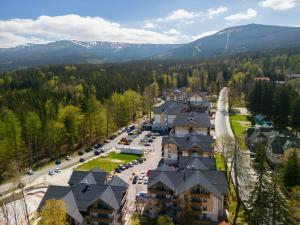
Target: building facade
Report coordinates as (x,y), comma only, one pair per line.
(203,188)
(193,144)
(91,198)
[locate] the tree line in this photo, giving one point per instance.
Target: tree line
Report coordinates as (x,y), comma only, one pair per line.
(44,116)
(49,111)
(280,103)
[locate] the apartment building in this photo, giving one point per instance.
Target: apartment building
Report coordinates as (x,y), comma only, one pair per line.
(91,198)
(196,183)
(179,94)
(193,144)
(188,122)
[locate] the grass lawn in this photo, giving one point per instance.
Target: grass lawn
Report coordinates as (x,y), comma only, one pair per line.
(108,164)
(219,162)
(239,124)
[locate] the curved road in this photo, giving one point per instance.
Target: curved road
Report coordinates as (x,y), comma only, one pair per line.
(40,174)
(222,124)
(223,129)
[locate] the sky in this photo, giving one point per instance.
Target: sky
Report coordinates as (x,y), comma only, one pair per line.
(134,21)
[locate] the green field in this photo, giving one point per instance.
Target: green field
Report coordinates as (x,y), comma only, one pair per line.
(239,124)
(108,164)
(219,162)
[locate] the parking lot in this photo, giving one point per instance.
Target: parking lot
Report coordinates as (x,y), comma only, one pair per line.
(61,177)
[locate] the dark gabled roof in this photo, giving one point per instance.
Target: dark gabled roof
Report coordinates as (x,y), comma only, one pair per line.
(276,142)
(81,194)
(181,181)
(254,132)
(192,118)
(203,142)
(64,193)
(196,162)
(170,108)
(117,181)
(171,179)
(279,143)
(95,176)
(194,177)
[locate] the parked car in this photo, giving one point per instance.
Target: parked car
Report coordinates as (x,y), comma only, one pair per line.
(144,140)
(80,152)
(97,152)
(140,160)
(30,172)
(57,162)
(146,180)
(104,155)
(118,170)
(68,158)
(98,145)
(57,170)
(107,141)
(150,140)
(135,162)
(51,173)
(148,173)
(126,166)
(147,144)
(143,173)
(140,180)
(87,150)
(135,178)
(82,160)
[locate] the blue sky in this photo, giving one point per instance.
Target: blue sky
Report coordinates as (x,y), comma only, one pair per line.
(134,21)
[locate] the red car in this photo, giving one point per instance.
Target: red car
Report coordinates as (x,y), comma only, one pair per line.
(148,173)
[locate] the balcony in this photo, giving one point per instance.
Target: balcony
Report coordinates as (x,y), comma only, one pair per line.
(101,211)
(101,220)
(200,195)
(194,203)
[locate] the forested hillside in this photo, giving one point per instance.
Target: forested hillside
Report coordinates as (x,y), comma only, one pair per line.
(51,111)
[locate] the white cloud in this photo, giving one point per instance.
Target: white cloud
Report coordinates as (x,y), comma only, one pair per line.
(278,4)
(73,27)
(150,25)
(173,31)
(249,14)
(212,12)
(204,34)
(180,16)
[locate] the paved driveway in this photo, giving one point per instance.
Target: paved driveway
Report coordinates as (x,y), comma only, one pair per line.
(223,129)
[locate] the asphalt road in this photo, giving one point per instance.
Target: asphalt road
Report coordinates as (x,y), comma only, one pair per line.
(223,129)
(222,124)
(28,180)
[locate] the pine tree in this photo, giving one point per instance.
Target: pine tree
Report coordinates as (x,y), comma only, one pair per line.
(258,205)
(291,171)
(279,212)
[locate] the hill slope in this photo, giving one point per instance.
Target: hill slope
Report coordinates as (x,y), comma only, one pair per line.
(61,52)
(252,37)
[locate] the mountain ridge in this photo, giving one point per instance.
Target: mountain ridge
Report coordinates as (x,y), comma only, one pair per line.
(231,40)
